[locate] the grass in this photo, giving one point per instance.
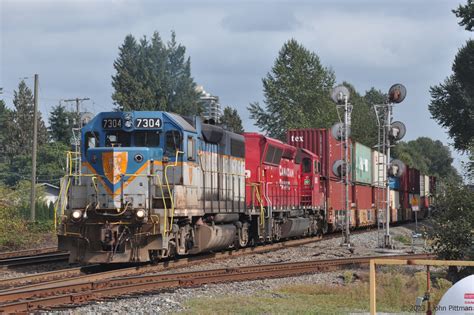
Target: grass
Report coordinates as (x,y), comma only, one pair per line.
(396,292)
(404,239)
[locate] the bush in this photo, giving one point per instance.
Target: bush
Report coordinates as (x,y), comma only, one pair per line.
(453,223)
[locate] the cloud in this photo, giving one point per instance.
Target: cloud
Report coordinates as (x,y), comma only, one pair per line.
(261,18)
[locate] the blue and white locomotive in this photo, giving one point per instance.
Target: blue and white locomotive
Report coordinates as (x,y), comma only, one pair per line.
(152,185)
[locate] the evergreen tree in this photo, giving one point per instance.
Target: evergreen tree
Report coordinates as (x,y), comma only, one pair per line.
(363,118)
(296,93)
(21,133)
(230,120)
(452,102)
(154,76)
(5,124)
(61,123)
(466,13)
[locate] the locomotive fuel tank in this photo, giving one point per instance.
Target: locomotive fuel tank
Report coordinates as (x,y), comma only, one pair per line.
(295,227)
(213,237)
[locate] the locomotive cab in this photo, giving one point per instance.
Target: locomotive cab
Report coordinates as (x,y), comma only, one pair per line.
(311,190)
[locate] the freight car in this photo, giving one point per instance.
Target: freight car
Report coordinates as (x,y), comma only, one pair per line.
(151,185)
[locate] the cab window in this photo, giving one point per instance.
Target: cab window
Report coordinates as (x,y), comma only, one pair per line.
(92,140)
(191,148)
(117,139)
(146,138)
(306,165)
(173,142)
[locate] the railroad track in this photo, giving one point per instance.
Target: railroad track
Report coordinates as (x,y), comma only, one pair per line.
(90,289)
(56,256)
(97,270)
(28,252)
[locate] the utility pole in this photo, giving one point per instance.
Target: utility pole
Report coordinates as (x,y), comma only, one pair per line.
(33,159)
(78,107)
(76,134)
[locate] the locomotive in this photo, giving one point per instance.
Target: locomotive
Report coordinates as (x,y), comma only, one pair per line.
(152,184)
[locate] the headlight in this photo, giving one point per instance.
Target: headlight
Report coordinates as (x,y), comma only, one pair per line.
(76,214)
(140,214)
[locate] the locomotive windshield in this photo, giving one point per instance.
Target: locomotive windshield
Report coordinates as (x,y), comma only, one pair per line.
(173,141)
(146,139)
(117,139)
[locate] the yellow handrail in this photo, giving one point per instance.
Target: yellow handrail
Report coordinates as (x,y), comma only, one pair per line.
(168,186)
(259,199)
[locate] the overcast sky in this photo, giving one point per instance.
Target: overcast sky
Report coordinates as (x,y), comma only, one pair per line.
(232,45)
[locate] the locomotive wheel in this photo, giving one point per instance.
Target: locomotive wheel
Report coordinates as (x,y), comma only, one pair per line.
(243,236)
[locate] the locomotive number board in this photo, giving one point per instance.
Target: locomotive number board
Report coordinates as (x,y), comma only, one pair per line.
(111,123)
(148,123)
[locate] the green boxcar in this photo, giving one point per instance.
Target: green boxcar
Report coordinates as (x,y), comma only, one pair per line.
(361,164)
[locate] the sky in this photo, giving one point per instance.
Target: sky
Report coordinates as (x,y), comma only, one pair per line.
(233,44)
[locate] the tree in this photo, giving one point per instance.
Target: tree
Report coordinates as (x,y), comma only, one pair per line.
(21,133)
(363,119)
(231,120)
(452,104)
(51,165)
(61,123)
(153,76)
(453,223)
(466,14)
(430,156)
(296,93)
(5,124)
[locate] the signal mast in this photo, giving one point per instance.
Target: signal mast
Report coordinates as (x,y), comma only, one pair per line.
(389,132)
(341,131)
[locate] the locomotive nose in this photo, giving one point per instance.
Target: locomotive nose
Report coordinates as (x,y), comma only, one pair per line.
(122,174)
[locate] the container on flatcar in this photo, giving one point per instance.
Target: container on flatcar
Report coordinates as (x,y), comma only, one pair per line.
(414,180)
(406,206)
(394,183)
(404,179)
(321,143)
(379,172)
(361,164)
(422,185)
(432,187)
(426,185)
(336,204)
(362,197)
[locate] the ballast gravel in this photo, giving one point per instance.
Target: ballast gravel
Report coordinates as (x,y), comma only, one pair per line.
(174,301)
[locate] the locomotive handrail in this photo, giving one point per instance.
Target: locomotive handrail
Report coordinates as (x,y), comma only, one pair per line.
(168,184)
(259,198)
